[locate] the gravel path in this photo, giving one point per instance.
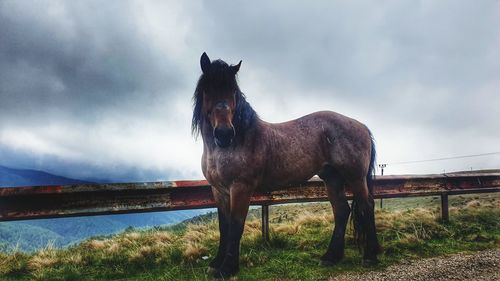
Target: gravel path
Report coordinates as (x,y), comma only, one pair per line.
(483,265)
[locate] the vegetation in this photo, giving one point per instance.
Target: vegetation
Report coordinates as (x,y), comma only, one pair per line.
(408,229)
(32,235)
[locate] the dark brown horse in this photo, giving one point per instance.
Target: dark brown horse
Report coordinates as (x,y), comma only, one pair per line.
(242,153)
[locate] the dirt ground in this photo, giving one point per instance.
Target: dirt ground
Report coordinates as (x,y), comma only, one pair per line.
(483,265)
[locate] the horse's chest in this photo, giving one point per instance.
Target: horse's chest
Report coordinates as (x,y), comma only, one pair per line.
(222,169)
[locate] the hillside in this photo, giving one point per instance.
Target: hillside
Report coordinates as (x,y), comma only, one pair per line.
(408,229)
(10,177)
(35,234)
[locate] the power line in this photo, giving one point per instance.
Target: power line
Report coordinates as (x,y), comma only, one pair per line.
(441,159)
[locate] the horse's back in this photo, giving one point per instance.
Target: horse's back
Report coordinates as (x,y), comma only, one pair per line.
(325,124)
(300,148)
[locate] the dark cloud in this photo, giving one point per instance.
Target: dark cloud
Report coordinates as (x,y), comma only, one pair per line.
(79,60)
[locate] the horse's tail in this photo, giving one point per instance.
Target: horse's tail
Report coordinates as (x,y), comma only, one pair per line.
(358,215)
(371,169)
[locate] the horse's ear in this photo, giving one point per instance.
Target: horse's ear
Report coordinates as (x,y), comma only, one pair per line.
(235,68)
(205,63)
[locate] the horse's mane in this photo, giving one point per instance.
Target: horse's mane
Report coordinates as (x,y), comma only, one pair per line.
(221,78)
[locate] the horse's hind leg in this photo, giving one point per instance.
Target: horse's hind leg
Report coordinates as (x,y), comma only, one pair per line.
(334,183)
(364,221)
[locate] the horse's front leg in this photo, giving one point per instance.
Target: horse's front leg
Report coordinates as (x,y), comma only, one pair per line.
(223,207)
(239,201)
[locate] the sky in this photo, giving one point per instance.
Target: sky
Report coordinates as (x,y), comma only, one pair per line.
(103,89)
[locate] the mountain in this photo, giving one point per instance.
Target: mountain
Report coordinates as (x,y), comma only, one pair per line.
(20,177)
(35,234)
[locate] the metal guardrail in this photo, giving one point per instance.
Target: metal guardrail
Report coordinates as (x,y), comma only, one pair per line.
(36,202)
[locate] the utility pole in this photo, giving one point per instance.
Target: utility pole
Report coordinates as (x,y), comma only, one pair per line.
(381,166)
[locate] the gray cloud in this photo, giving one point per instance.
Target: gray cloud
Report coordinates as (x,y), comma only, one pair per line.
(360,50)
(108,84)
(78,59)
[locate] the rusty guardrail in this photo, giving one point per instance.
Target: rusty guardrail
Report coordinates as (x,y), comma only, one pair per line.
(36,202)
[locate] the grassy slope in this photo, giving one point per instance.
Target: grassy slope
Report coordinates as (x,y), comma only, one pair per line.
(32,235)
(20,236)
(299,236)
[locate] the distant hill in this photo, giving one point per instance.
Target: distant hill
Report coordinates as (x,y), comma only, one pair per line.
(10,177)
(35,234)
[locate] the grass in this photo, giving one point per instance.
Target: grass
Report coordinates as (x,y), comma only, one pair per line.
(408,229)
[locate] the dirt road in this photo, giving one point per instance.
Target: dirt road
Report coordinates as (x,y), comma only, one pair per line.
(483,265)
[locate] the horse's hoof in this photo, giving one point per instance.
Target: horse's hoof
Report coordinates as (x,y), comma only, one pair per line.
(370,262)
(330,259)
(219,273)
(327,263)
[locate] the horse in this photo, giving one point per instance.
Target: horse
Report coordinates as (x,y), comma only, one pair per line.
(243,154)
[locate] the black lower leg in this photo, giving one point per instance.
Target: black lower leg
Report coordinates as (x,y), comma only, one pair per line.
(230,265)
(223,230)
(335,250)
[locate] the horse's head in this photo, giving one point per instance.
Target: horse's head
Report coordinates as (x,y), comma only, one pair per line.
(218,92)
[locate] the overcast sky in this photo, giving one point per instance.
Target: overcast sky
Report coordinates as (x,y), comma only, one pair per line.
(102,89)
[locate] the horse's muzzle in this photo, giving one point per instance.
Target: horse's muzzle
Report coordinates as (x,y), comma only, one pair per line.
(224,136)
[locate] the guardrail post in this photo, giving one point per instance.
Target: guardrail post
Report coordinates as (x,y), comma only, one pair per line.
(445,217)
(265,222)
